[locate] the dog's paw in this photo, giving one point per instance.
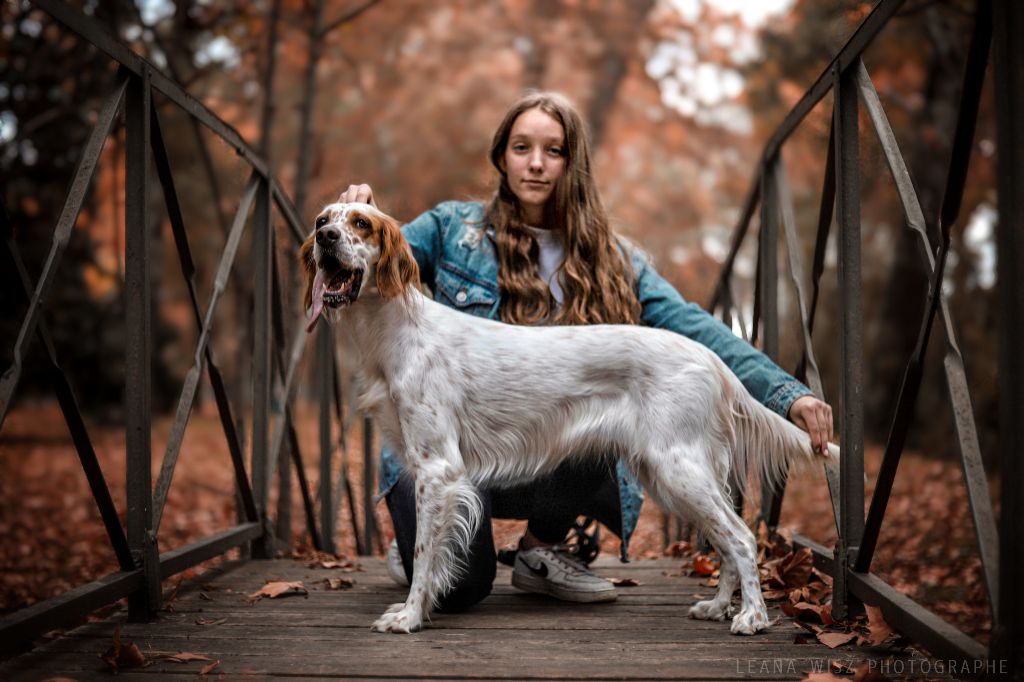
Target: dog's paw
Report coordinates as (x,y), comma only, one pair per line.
(750,622)
(401,621)
(712,609)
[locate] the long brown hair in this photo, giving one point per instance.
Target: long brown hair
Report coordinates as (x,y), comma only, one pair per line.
(597,280)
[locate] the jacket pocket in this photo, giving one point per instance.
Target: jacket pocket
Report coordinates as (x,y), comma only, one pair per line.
(457,291)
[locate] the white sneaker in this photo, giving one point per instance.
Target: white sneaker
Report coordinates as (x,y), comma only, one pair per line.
(556,572)
(396,570)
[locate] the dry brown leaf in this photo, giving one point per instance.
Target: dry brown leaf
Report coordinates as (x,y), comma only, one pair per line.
(279,588)
(120,655)
(624,582)
(678,550)
(879,630)
(804,611)
(703,565)
(209,668)
(186,656)
(339,583)
(210,621)
(841,667)
(347,564)
(835,639)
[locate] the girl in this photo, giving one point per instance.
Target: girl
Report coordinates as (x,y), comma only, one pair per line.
(541,252)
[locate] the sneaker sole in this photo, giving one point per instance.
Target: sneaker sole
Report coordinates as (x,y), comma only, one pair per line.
(537,585)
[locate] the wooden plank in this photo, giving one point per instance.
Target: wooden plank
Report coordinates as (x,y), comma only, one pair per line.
(646,634)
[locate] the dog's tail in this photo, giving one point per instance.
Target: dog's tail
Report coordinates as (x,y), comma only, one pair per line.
(766,446)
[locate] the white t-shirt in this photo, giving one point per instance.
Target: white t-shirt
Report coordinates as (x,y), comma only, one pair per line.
(552,253)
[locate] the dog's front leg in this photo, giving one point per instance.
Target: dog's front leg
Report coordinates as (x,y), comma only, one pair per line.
(447,512)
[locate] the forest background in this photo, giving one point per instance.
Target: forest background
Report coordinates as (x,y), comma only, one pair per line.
(679,96)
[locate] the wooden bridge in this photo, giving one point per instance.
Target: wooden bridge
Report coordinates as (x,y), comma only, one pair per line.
(644,635)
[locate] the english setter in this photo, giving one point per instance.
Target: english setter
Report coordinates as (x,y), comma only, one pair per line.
(466,401)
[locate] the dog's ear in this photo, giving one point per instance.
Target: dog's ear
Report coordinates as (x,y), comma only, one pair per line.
(308,269)
(396,267)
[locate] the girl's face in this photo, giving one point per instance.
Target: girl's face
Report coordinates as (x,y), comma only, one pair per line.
(534,161)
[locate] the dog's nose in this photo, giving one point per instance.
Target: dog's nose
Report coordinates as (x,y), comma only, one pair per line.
(327,235)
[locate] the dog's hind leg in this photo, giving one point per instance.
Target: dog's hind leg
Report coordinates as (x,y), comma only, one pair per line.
(720,607)
(736,544)
(447,514)
(681,480)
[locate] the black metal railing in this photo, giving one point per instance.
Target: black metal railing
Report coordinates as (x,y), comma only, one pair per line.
(849,562)
(275,359)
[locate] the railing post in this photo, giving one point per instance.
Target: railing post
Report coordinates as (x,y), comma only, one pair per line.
(138,351)
(768,254)
(325,390)
(851,476)
(1008,634)
(261,358)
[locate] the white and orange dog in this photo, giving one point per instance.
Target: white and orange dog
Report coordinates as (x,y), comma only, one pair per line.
(466,402)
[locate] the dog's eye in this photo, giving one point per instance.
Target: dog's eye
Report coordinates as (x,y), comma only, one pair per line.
(362,224)
(321,221)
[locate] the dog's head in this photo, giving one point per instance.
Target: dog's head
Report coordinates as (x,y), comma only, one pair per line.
(351,241)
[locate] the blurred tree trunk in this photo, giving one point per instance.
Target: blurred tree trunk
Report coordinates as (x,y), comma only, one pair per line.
(927,156)
(619,31)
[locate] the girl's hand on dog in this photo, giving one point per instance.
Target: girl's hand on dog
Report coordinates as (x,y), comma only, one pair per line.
(357,194)
(815,417)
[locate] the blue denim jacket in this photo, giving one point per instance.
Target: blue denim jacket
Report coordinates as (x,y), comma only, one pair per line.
(457,257)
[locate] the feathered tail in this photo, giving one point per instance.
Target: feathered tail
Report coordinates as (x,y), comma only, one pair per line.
(766,445)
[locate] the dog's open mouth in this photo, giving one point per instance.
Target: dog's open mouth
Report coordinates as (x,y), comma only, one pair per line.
(333,286)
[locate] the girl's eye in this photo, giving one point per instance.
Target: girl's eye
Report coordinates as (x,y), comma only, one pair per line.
(519,147)
(555,151)
(321,221)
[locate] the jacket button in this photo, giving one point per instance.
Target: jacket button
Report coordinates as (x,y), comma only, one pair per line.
(461,296)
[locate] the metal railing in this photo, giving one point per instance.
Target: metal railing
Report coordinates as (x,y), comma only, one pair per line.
(275,358)
(849,562)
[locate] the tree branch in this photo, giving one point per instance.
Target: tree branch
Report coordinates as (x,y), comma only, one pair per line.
(347,17)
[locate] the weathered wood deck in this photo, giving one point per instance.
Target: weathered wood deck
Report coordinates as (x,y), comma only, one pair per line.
(644,635)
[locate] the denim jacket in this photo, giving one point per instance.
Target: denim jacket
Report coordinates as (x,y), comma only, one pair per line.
(457,258)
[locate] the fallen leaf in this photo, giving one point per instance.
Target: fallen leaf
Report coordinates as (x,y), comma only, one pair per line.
(185,657)
(841,667)
(347,564)
(879,630)
(120,655)
(205,597)
(834,639)
(804,611)
(339,583)
(280,588)
(703,564)
(210,621)
(624,582)
(209,668)
(677,550)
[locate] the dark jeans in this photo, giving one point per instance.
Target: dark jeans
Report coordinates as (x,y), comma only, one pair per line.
(550,505)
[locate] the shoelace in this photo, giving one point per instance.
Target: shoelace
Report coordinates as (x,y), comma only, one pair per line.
(567,558)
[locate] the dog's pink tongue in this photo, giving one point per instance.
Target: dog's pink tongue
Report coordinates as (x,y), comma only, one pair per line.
(317,296)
